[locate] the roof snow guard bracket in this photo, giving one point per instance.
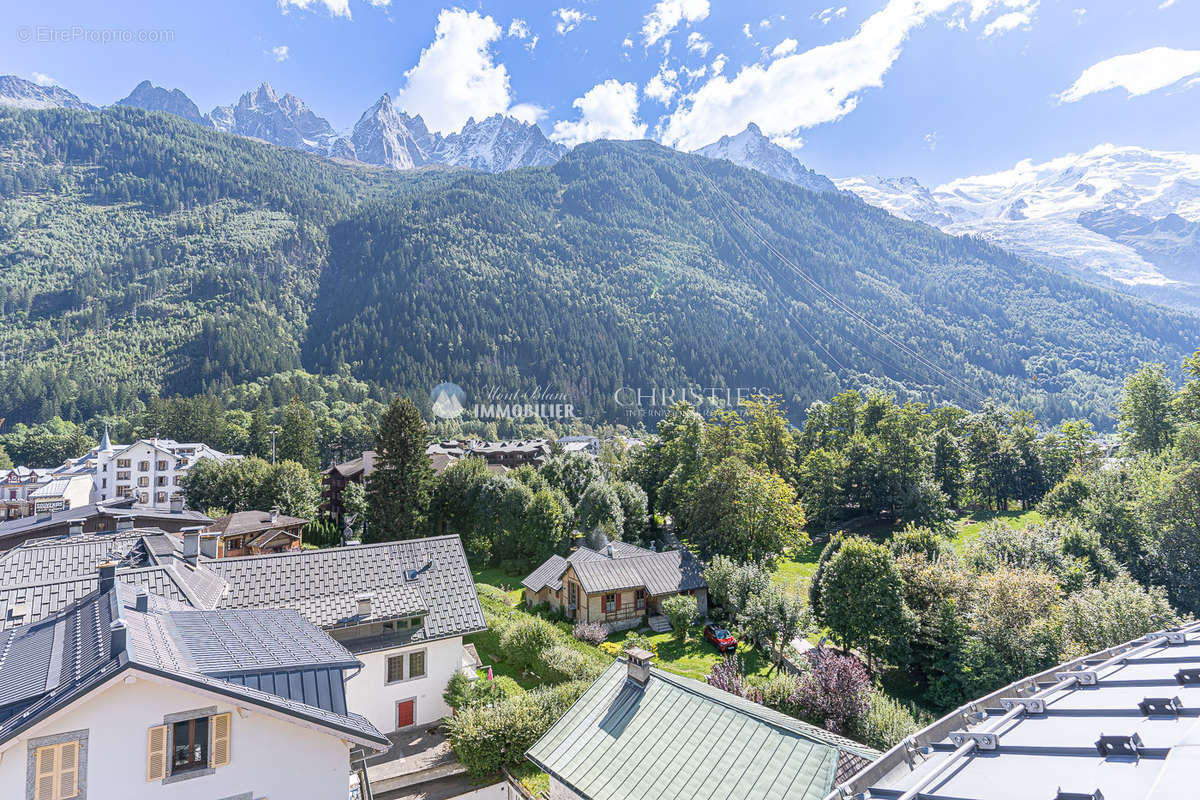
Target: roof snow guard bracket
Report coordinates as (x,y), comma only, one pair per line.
(1109,746)
(1032,705)
(1083,677)
(1188,677)
(1172,637)
(1160,706)
(983,741)
(1096,795)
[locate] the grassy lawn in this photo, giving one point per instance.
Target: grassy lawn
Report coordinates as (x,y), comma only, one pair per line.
(697,657)
(795,568)
(501,578)
(967,527)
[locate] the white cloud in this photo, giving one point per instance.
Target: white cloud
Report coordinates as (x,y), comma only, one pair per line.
(337,8)
(663,85)
(811,87)
(830,14)
(380,3)
(1007,22)
(931,141)
(280,52)
(764,23)
(792,143)
(785,47)
(1079,13)
(607,111)
(698,44)
(627,43)
(694,74)
(569,19)
(456,76)
(518,29)
(527,112)
(718,64)
(1165,4)
(42,79)
(1136,73)
(668,14)
(746,30)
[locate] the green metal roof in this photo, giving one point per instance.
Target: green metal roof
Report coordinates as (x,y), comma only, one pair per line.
(680,738)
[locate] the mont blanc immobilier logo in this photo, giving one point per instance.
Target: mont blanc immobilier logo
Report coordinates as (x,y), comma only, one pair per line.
(449,401)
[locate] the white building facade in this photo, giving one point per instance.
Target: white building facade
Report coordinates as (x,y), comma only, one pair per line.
(149,470)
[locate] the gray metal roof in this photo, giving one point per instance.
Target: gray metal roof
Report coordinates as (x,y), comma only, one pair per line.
(681,739)
(627,567)
(1121,723)
(26,526)
(49,664)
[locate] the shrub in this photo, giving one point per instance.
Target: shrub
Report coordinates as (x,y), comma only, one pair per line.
(524,639)
(681,609)
(834,692)
(886,723)
(462,692)
(778,690)
(487,738)
(728,675)
(591,632)
(562,662)
(635,639)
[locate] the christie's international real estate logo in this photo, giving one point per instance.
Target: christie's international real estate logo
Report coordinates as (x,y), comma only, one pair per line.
(449,401)
(656,401)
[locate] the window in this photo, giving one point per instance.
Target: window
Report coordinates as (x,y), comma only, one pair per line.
(123,463)
(104,483)
(56,771)
(573,594)
(162,464)
(144,466)
(161,480)
(400,670)
(610,603)
(160,497)
(189,745)
(143,481)
(123,476)
(233,543)
(639,599)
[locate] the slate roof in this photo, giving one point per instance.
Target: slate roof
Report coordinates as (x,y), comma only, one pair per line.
(47,665)
(363,465)
(267,538)
(628,567)
(26,526)
(678,738)
(418,577)
(253,522)
(1069,729)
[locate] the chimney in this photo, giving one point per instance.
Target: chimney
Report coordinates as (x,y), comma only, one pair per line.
(108,575)
(364,605)
(208,546)
(639,664)
(117,631)
(176,504)
(125,522)
(141,600)
(44,516)
(191,543)
(608,550)
(75,528)
(274,514)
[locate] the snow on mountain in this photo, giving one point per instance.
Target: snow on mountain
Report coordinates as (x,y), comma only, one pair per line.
(497,144)
(753,150)
(285,121)
(155,98)
(1121,213)
(20,93)
(392,138)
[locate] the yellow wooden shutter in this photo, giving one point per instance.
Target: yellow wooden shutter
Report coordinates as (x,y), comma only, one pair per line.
(218,750)
(156,753)
(68,770)
(45,762)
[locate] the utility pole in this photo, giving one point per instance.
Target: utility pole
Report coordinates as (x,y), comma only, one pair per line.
(272,448)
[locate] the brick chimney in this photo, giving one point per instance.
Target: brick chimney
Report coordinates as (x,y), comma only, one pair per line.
(640,662)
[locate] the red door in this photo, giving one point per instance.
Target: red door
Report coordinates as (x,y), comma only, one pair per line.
(404,713)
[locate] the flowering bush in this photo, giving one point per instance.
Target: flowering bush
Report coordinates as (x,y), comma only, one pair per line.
(590,632)
(834,692)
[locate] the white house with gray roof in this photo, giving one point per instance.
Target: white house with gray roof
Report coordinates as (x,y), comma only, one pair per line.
(125,694)
(402,608)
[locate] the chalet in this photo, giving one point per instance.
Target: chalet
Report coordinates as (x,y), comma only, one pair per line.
(126,694)
(335,479)
(641,732)
(620,585)
(15,487)
(256,533)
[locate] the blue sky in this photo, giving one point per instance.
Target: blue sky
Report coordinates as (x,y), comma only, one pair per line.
(930,88)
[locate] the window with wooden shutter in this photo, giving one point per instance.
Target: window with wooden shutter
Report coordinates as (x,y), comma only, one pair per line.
(57,771)
(218,752)
(156,753)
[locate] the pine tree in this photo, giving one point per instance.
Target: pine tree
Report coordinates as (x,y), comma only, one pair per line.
(398,491)
(260,433)
(298,439)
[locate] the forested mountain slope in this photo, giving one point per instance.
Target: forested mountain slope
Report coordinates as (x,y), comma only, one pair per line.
(622,265)
(143,254)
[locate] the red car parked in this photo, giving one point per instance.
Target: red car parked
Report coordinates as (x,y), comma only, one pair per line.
(722,638)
